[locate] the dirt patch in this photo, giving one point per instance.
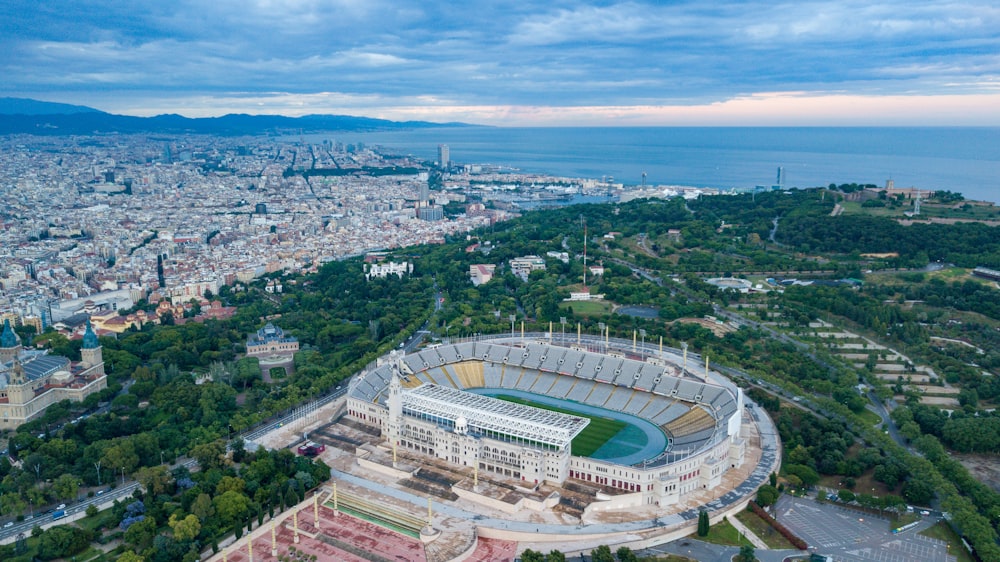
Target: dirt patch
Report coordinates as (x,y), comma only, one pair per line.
(985,468)
(718,329)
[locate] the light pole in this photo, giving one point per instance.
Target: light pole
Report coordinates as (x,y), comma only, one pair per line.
(97,466)
(562,320)
(123,476)
(512,317)
(601,326)
(642,334)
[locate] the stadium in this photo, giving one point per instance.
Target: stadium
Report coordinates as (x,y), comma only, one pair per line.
(519,410)
(477,450)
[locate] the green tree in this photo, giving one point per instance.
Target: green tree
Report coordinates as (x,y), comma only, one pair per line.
(120,456)
(602,554)
(794,481)
(185,529)
(130,556)
(202,507)
(703,523)
(209,455)
(230,483)
(291,498)
(808,476)
(63,541)
(532,556)
(625,554)
(12,504)
(232,507)
(556,556)
(92,510)
(918,491)
(767,495)
(141,534)
(747,553)
(154,479)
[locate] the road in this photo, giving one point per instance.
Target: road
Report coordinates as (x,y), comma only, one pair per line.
(296,413)
(804,348)
(73,512)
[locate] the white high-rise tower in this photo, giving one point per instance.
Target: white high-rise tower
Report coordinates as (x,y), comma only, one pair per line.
(444,157)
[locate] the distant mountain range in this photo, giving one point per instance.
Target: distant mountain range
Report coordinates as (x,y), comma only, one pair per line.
(21,115)
(25,106)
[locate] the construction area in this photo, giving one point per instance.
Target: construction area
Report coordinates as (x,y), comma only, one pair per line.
(385,505)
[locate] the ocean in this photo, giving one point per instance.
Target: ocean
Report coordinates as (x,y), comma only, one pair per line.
(965,160)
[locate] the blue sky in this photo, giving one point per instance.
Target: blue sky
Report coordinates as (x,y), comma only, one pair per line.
(749,62)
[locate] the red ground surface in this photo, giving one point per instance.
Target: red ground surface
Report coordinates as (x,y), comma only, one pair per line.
(494,550)
(359,535)
(345,529)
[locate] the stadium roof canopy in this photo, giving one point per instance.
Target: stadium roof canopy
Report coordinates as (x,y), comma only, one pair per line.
(493,417)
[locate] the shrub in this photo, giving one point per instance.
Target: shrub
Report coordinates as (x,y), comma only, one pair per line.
(785,531)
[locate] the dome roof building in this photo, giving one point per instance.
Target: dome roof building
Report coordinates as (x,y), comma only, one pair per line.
(8,338)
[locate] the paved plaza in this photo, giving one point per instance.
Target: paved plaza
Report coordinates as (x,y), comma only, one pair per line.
(853,536)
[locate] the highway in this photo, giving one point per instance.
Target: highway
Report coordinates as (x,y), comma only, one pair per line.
(74,511)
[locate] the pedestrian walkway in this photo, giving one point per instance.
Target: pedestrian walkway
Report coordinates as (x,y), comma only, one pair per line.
(750,535)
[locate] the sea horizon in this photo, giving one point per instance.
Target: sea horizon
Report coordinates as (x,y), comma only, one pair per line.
(960,159)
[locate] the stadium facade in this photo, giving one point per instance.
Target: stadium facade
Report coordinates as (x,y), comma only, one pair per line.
(434,403)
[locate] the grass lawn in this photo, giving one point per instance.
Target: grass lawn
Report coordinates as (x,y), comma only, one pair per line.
(870,417)
(943,532)
(596,434)
(926,211)
(90,554)
(973,212)
(588,308)
(771,537)
(902,519)
(723,533)
(950,274)
(855,208)
(105,518)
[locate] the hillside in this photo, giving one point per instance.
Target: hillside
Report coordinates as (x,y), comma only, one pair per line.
(19,115)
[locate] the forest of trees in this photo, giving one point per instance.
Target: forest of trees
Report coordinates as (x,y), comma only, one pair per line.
(342,321)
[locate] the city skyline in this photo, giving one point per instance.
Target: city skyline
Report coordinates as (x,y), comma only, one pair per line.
(570,63)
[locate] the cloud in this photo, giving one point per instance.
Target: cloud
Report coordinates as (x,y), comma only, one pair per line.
(500,60)
(759,109)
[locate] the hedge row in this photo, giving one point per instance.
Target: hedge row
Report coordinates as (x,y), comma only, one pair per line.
(785,532)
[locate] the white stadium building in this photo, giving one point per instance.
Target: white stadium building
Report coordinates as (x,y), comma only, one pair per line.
(440,402)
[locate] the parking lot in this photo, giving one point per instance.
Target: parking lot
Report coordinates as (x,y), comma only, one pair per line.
(852,536)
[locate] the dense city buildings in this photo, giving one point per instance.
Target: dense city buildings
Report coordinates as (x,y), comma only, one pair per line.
(94,225)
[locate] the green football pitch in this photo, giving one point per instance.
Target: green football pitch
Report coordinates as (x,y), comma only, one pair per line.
(598,432)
